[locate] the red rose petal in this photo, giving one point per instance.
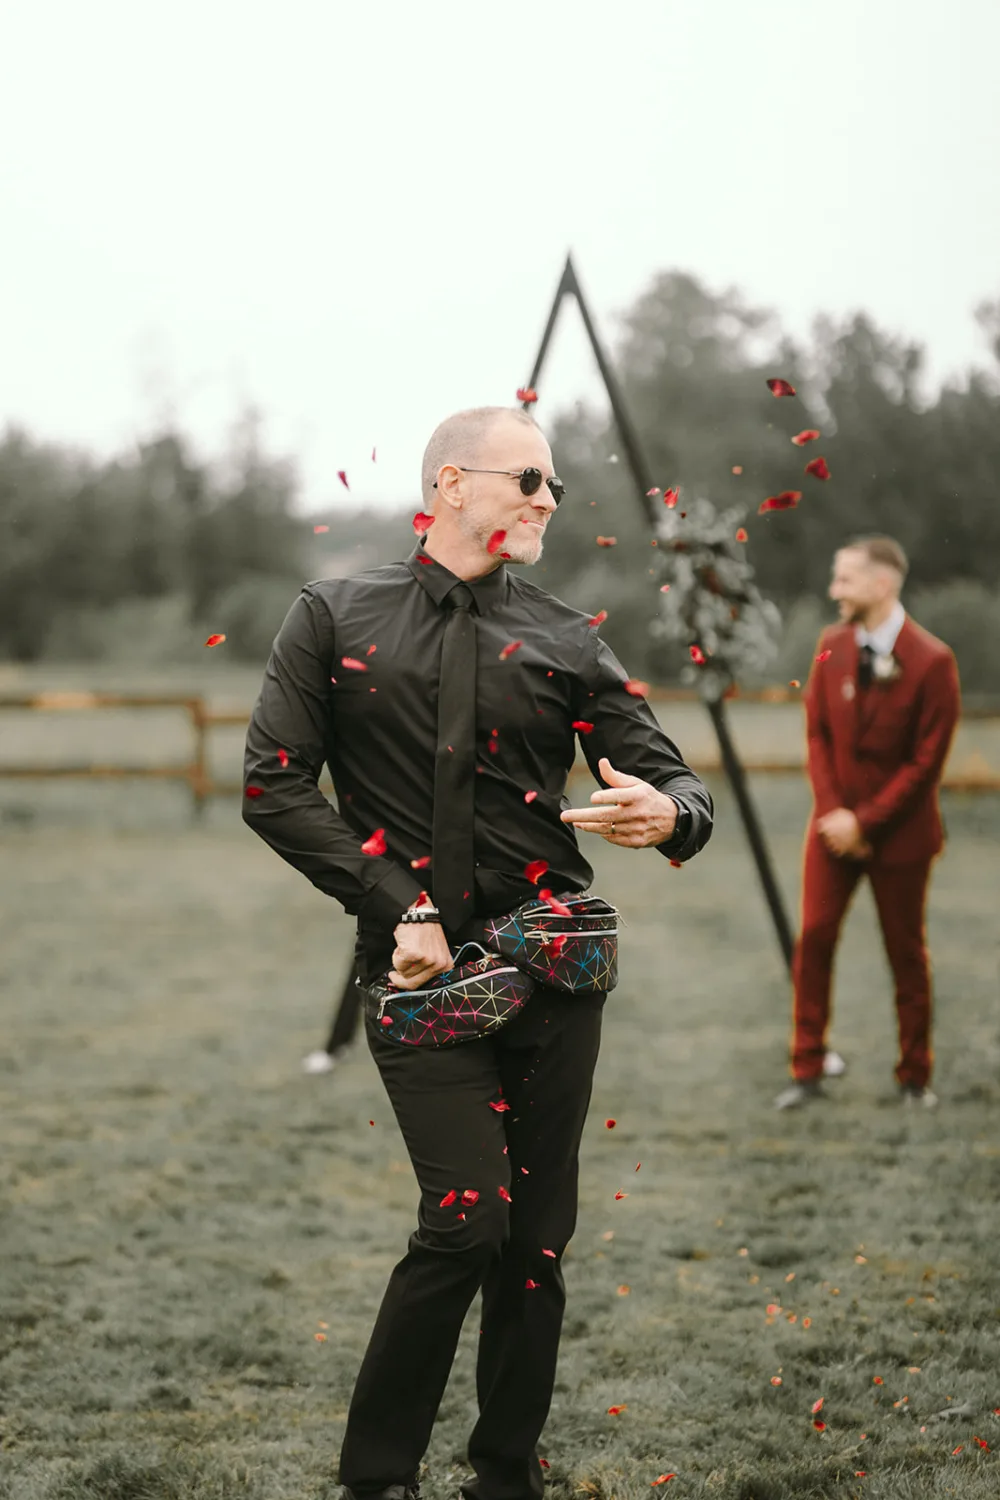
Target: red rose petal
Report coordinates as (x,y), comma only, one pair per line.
(550,1253)
(215,640)
(877,1380)
(787,500)
(614,1410)
(530,1286)
(558,907)
(509,649)
(676,864)
(663,1479)
(620,1195)
(818,468)
(496,541)
(283,758)
(982,1443)
(255,791)
(376,844)
(607,541)
(422,522)
(504,1195)
(530,796)
(779,387)
(527,394)
(342,476)
(555,946)
(421,863)
(653,492)
(741,535)
(610,1124)
(469,1197)
(775,1379)
(807,435)
(664,588)
(353,663)
(370,650)
(535,869)
(819,1426)
(697,655)
(582,725)
(449,1198)
(545,1463)
(318,530)
(634,686)
(737,468)
(499,1106)
(824,656)
(670,498)
(817,1406)
(426,560)
(599,618)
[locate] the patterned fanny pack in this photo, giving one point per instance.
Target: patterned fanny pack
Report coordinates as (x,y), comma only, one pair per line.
(571,945)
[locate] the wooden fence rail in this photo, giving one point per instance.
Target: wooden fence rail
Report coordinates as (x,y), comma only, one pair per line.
(202,785)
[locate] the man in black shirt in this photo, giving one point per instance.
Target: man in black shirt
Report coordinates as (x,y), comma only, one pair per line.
(353,681)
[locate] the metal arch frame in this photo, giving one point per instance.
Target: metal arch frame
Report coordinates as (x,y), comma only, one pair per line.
(569,286)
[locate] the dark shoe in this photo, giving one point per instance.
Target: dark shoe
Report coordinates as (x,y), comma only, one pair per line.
(919,1095)
(797,1094)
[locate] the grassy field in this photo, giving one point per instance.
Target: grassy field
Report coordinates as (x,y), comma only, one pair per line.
(183,1212)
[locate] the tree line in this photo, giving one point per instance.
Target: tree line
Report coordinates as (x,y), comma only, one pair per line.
(224,544)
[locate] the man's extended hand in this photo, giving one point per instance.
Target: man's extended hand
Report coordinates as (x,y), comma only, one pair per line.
(639,814)
(841,833)
(421,953)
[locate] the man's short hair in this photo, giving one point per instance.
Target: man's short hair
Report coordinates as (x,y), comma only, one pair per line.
(883,551)
(459,440)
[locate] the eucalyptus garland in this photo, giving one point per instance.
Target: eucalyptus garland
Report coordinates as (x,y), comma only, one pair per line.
(709,601)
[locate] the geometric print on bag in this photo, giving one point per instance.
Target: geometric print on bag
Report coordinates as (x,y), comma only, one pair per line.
(479,998)
(586,960)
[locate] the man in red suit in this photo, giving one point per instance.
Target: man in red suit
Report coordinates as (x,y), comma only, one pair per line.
(882,703)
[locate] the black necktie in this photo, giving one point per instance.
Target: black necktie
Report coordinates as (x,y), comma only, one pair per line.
(865,658)
(452,853)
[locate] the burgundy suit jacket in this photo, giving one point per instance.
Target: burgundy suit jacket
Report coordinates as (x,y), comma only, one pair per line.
(881,750)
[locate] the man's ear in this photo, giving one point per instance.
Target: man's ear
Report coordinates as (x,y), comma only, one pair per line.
(449,484)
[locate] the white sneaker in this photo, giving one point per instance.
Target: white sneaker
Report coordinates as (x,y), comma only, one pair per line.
(318,1062)
(925,1098)
(834,1065)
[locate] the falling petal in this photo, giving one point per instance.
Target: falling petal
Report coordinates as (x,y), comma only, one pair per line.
(509,649)
(449,1198)
(353,663)
(741,535)
(421,863)
(664,588)
(807,1322)
(637,688)
(787,500)
(773,1308)
(342,476)
(559,907)
(807,435)
(817,1406)
(582,725)
(503,1105)
(775,1379)
(496,541)
(737,468)
(545,1463)
(318,530)
(638,1165)
(422,522)
(795,683)
(530,796)
(527,394)
(530,1286)
(982,1443)
(613,1411)
(370,650)
(215,640)
(670,498)
(818,468)
(877,1380)
(469,1197)
(663,1479)
(283,758)
(824,655)
(620,1195)
(624,1289)
(957,1450)
(504,1195)
(320,1338)
(819,1426)
(599,618)
(550,1253)
(651,494)
(425,560)
(697,655)
(607,541)
(610,1124)
(779,387)
(535,869)
(376,844)
(255,791)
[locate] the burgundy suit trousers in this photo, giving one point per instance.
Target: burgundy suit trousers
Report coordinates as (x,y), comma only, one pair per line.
(901,899)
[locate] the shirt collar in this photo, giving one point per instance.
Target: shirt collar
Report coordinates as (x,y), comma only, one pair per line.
(883,638)
(437,581)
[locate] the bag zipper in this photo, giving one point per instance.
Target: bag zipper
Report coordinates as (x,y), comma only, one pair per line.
(487,974)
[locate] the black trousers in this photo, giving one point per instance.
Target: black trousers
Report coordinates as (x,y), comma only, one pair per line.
(541,1064)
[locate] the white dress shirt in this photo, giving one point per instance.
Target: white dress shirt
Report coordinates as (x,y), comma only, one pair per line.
(883,638)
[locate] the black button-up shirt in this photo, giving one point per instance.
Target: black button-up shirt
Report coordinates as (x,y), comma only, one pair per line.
(374,723)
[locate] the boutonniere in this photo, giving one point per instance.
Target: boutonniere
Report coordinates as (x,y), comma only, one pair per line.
(885,667)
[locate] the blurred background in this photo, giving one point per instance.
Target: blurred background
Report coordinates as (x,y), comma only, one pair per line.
(251,256)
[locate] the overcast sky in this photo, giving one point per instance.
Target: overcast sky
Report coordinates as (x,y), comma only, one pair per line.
(355,214)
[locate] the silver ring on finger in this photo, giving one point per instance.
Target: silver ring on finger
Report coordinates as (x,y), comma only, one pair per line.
(612,828)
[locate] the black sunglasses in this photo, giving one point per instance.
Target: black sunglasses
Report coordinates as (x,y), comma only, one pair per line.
(530,479)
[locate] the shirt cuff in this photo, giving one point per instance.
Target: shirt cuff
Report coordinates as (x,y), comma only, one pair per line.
(682,829)
(386,902)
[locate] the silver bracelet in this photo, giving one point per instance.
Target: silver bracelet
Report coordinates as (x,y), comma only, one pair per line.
(420,914)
